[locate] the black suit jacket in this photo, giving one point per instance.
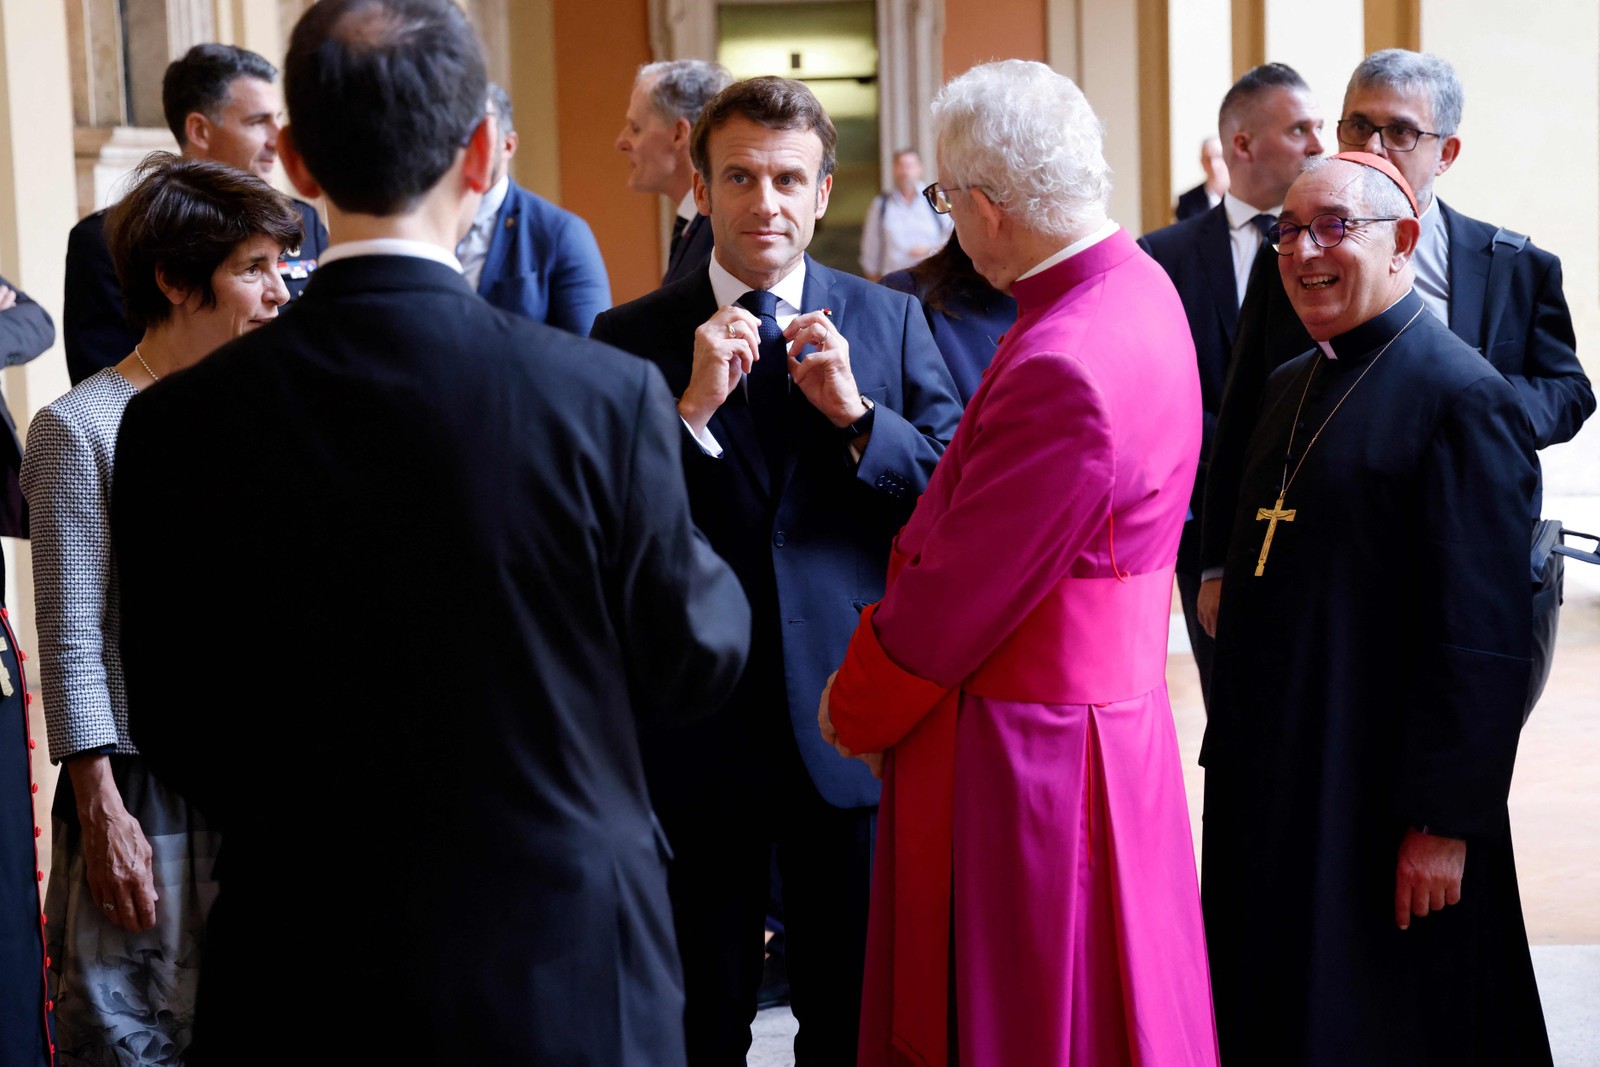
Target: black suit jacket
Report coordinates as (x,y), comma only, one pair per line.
(25,332)
(692,251)
(96,332)
(1198,256)
(1193,202)
(490,583)
(1505,300)
(811,551)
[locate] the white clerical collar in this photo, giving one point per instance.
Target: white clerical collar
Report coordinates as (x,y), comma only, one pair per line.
(789,290)
(1240,213)
(490,205)
(1080,245)
(389,246)
(1327,346)
(686,208)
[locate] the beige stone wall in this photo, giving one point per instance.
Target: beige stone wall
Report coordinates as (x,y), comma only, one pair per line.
(1529,132)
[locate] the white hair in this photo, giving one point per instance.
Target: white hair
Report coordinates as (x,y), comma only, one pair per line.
(1027,137)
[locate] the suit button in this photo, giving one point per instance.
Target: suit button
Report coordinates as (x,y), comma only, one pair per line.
(777,539)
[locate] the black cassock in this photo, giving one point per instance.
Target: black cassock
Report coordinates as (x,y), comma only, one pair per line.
(1372,679)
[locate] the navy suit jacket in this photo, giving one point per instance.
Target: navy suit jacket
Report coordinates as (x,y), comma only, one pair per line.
(1198,256)
(811,551)
(692,251)
(1505,300)
(544,264)
(555,567)
(96,333)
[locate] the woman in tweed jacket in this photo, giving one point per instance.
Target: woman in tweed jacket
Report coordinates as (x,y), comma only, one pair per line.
(196,246)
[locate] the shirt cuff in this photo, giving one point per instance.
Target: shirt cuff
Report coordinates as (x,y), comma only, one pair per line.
(1210,573)
(707,443)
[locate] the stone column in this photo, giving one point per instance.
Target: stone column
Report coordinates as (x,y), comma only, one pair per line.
(36,210)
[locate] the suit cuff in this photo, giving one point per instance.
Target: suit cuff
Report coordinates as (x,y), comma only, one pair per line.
(708,444)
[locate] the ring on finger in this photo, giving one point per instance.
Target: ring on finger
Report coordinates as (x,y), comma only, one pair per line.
(733,330)
(108,906)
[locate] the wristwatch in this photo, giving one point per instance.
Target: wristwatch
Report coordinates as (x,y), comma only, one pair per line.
(862,426)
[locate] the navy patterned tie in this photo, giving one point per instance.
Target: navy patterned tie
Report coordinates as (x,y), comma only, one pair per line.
(769,378)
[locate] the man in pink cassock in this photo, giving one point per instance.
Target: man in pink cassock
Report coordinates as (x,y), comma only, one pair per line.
(1034,866)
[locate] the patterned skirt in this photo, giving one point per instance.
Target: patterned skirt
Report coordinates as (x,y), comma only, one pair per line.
(125,999)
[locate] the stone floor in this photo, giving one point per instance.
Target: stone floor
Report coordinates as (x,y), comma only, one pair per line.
(1555,815)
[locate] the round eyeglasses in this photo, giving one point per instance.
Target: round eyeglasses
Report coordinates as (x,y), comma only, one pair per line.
(1326,231)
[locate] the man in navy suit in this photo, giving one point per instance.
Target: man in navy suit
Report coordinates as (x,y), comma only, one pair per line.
(498,572)
(666,102)
(1208,194)
(1270,126)
(221,104)
(524,254)
(814,406)
(1495,289)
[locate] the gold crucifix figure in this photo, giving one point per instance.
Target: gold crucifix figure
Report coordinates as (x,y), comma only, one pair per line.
(1271,516)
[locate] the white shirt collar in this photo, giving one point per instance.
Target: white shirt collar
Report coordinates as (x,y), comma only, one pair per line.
(789,290)
(1080,245)
(686,208)
(389,246)
(490,205)
(1240,213)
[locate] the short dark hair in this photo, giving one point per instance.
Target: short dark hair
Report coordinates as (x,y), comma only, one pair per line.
(202,79)
(776,103)
(500,101)
(682,87)
(383,95)
(183,218)
(1256,83)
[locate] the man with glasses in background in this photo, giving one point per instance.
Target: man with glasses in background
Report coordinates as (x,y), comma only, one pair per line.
(1495,290)
(1270,125)
(1360,893)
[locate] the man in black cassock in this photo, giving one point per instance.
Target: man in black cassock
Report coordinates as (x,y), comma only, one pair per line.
(1371,666)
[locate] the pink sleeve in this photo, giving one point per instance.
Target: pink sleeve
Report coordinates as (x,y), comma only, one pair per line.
(1035,492)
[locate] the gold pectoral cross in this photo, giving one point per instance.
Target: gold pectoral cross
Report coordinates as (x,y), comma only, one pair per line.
(1271,516)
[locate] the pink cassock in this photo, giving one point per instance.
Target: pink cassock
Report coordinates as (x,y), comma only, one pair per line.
(1015,675)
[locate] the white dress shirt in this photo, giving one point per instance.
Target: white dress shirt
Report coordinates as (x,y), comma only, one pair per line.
(790,290)
(473,251)
(389,246)
(900,233)
(1245,239)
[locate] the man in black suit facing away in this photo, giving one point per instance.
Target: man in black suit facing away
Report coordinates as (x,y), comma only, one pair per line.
(1495,289)
(1270,126)
(222,104)
(666,102)
(814,407)
(473,526)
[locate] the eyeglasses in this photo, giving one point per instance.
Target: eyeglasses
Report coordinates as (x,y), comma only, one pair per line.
(1395,138)
(938,196)
(1326,231)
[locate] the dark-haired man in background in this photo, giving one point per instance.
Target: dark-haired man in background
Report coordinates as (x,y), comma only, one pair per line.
(666,101)
(481,879)
(1270,126)
(221,104)
(524,254)
(814,407)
